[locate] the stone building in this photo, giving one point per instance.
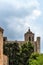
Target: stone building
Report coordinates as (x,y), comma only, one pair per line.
(2,56)
(5,60)
(28,36)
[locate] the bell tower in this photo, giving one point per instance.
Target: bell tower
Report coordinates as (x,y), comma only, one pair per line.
(29,36)
(1,46)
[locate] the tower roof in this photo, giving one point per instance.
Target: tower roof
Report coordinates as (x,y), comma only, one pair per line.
(29,32)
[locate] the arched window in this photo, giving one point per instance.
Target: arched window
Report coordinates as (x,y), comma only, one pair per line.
(29,38)
(32,38)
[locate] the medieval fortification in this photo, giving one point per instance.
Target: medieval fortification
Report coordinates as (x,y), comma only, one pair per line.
(28,36)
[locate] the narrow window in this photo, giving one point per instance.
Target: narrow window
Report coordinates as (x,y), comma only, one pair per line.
(29,38)
(32,38)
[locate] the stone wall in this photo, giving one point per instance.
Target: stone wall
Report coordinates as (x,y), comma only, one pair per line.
(5,60)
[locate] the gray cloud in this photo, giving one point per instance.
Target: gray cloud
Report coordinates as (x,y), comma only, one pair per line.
(12,18)
(17,15)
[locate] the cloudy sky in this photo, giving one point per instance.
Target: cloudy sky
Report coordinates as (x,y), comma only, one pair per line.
(16,16)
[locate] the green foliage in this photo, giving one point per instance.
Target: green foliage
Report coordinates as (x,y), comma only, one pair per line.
(13,52)
(18,55)
(23,55)
(26,51)
(36,59)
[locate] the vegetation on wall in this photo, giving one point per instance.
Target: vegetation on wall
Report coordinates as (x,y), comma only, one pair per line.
(26,51)
(23,55)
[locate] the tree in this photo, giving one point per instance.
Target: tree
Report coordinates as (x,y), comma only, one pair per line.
(12,51)
(26,50)
(36,59)
(16,53)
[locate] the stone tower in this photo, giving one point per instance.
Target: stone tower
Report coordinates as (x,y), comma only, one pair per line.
(29,36)
(1,46)
(38,44)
